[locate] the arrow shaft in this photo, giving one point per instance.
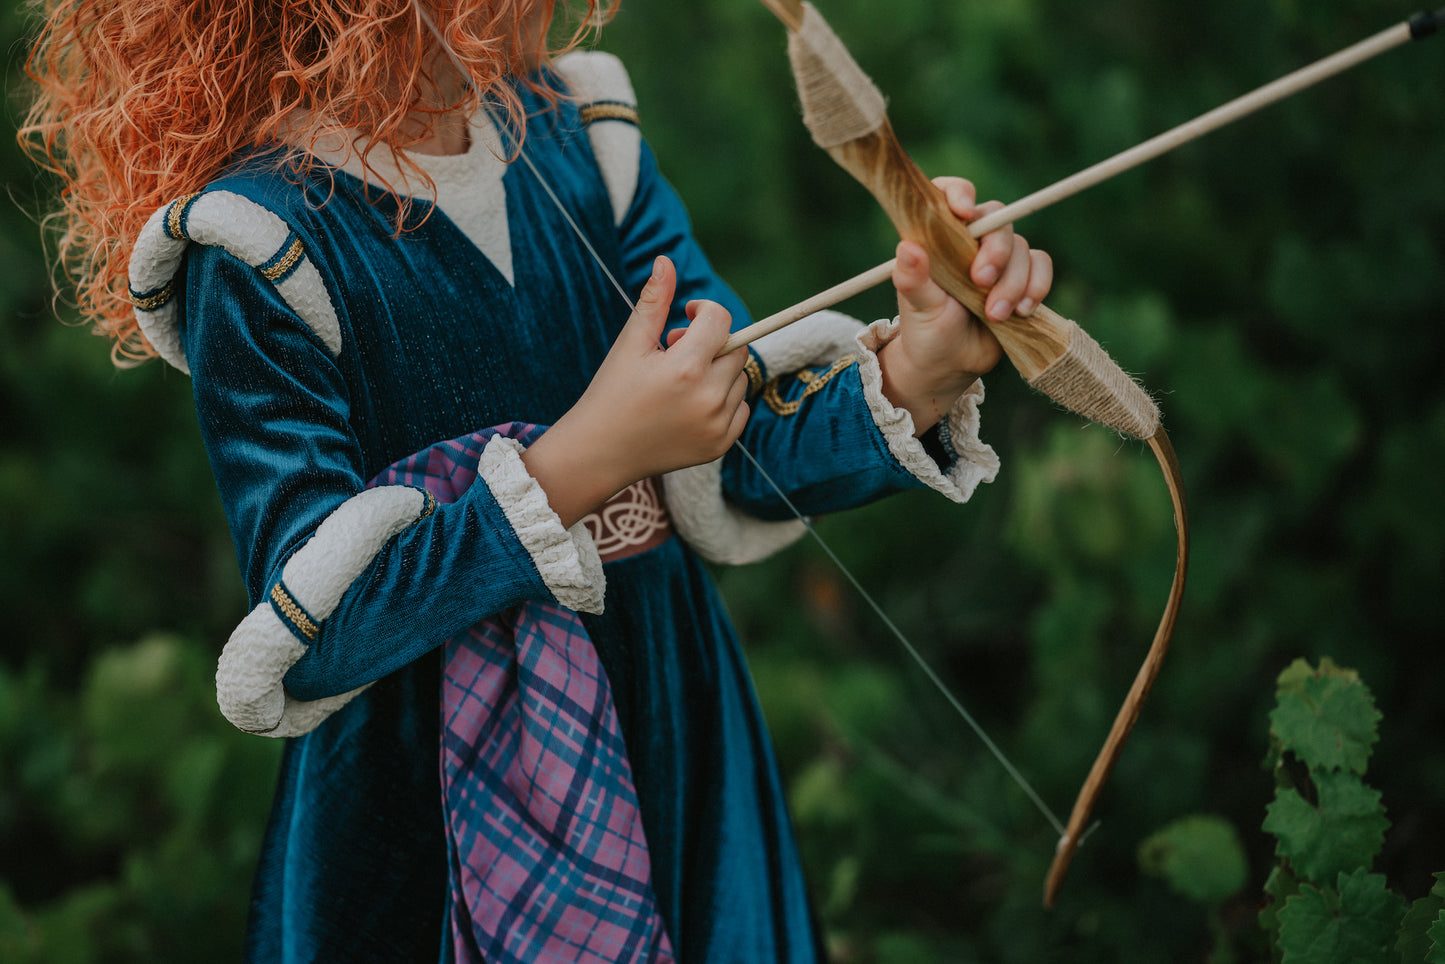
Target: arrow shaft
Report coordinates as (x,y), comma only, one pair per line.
(1240,107)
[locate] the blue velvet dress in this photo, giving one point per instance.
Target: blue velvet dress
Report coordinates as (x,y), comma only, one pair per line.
(435,342)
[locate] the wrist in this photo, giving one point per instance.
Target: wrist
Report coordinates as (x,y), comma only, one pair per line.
(576,479)
(925,391)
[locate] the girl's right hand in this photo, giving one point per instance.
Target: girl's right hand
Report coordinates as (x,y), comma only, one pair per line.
(649,409)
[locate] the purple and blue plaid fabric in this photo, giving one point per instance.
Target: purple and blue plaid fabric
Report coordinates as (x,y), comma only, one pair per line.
(547,854)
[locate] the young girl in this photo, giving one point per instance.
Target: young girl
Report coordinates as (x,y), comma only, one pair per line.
(520,727)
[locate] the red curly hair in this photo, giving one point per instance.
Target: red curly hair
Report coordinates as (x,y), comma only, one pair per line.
(140,101)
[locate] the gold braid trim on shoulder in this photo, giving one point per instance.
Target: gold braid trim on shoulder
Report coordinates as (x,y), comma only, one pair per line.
(609,110)
(153,301)
(287,261)
(176,216)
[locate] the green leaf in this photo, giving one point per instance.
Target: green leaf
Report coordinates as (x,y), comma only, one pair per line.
(1328,719)
(1413,941)
(1437,941)
(1199,856)
(1281,886)
(1341,834)
(1355,924)
(1292,677)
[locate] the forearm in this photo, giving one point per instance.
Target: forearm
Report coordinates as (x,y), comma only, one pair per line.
(440,542)
(834,441)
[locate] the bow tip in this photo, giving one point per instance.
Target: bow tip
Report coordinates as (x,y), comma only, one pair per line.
(790,12)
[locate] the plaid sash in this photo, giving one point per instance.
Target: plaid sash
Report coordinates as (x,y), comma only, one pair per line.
(546,852)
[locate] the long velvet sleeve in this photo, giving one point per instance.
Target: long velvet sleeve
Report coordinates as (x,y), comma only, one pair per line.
(824,433)
(273,410)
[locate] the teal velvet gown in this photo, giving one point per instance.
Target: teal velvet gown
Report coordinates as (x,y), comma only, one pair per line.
(436,342)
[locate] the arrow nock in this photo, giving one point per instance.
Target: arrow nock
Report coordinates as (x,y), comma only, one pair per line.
(1425,23)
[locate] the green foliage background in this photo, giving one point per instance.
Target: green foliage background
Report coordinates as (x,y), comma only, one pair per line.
(1280,286)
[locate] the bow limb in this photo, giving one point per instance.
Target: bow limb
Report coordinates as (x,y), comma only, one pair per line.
(1143,680)
(846,115)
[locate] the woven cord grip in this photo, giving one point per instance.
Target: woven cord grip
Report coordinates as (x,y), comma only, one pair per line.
(840,102)
(1084,379)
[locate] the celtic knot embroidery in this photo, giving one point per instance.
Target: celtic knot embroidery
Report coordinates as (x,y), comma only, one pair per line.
(632,521)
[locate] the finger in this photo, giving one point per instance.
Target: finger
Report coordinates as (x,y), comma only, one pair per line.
(710,324)
(960,193)
(739,422)
(735,361)
(1041,279)
(916,289)
(1011,286)
(649,316)
(737,392)
(994,249)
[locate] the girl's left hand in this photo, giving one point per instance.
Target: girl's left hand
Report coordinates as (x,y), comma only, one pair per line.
(941,348)
(1017,278)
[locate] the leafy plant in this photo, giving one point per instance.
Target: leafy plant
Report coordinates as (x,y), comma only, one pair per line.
(1324,904)
(1422,934)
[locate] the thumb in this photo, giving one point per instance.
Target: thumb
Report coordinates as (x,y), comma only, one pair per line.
(916,290)
(649,316)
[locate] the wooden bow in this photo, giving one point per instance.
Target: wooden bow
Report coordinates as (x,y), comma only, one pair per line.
(846,116)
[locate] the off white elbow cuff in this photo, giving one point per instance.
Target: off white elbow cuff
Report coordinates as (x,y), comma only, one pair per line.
(268,642)
(567,559)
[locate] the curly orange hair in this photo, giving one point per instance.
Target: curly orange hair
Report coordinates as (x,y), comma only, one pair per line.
(140,101)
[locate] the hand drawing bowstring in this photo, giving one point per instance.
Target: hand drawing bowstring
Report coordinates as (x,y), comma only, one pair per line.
(846,115)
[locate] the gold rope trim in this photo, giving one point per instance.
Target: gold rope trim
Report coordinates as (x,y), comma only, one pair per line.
(755,375)
(152,302)
(609,111)
(288,261)
(294,612)
(808,377)
(177,211)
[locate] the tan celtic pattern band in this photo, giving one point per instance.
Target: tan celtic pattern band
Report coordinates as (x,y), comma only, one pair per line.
(631,522)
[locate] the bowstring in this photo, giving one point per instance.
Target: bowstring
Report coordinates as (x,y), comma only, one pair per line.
(898,634)
(911,649)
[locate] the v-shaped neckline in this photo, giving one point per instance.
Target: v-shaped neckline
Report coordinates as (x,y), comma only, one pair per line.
(467,187)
